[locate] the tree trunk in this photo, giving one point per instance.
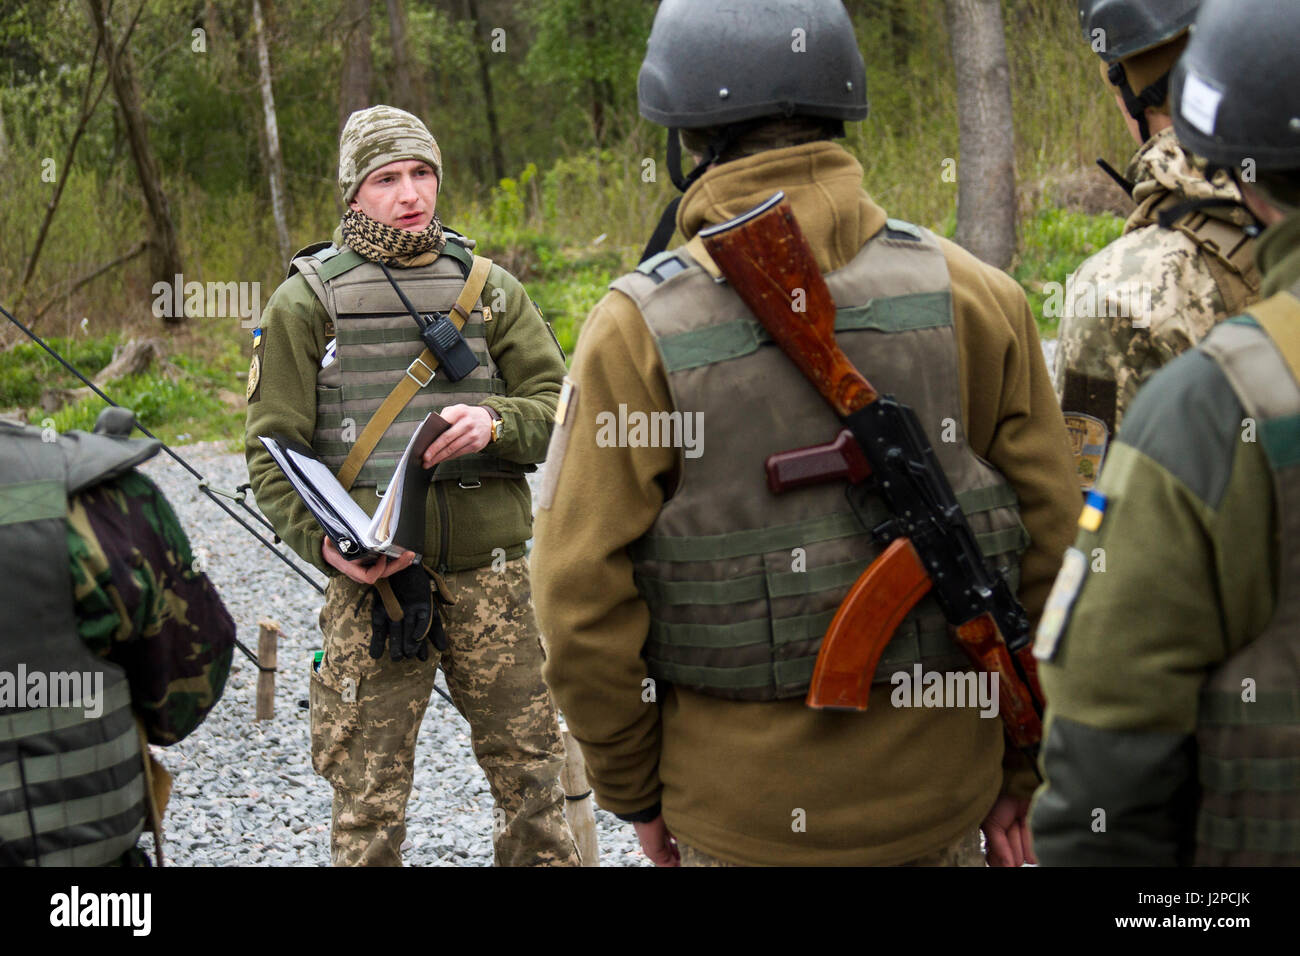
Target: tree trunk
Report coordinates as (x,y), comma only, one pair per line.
(354,90)
(408,91)
(986,181)
(164,251)
(88,108)
(275,163)
(489,104)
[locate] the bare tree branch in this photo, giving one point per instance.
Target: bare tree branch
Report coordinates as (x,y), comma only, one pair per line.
(134,251)
(87,110)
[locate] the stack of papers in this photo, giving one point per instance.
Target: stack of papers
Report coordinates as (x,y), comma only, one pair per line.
(393,529)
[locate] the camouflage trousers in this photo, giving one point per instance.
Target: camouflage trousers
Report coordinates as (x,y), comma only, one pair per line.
(366,713)
(965,852)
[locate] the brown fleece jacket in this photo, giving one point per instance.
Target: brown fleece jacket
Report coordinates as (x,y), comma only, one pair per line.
(880,787)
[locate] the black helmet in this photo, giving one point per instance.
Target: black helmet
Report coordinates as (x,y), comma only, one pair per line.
(1235,95)
(712,64)
(1129,27)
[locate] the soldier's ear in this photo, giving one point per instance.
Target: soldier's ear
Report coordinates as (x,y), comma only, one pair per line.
(354,206)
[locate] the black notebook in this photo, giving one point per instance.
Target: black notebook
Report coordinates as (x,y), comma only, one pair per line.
(397,524)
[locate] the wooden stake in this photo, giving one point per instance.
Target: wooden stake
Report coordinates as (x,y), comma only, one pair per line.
(581,814)
(268,634)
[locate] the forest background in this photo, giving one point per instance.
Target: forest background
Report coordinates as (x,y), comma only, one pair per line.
(546,161)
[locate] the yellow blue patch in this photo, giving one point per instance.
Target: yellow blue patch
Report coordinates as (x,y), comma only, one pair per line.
(1094,509)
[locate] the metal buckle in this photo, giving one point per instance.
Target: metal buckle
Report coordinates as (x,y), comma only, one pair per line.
(477,484)
(420,361)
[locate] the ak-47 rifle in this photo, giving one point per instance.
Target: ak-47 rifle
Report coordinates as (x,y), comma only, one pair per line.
(765,258)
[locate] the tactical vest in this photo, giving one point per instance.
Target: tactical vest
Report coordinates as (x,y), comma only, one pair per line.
(72,787)
(742,583)
(1249,749)
(376,341)
(1226,250)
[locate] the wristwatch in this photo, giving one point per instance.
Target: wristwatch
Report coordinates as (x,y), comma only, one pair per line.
(498,426)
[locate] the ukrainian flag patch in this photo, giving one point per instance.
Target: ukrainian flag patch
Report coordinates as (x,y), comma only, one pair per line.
(1094,509)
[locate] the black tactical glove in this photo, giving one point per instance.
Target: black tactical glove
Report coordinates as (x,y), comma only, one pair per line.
(406,635)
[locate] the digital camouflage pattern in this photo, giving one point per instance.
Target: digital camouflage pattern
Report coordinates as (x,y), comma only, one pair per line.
(493,670)
(1148,296)
(380,135)
(141,602)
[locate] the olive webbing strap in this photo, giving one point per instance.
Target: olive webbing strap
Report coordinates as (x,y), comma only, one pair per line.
(1277,317)
(405,389)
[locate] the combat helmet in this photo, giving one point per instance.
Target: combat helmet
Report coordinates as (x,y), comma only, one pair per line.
(708,65)
(1119,30)
(1234,93)
(735,64)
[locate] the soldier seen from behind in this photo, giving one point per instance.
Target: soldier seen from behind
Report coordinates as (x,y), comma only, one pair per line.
(101,593)
(1186,259)
(1171,643)
(683,601)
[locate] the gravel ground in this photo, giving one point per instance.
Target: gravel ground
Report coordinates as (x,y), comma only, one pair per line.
(245,792)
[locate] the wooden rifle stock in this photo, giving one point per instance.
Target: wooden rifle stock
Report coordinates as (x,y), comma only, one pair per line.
(767,261)
(769,264)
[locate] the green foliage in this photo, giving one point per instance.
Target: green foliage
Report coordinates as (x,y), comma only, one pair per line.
(590,185)
(1054,243)
(26,370)
(183,403)
(170,409)
(589,52)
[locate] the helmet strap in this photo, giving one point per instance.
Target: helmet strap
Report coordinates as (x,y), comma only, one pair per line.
(668,221)
(1137,104)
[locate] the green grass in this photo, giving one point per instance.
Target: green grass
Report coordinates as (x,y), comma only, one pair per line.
(185,408)
(1053,244)
(565,281)
(27,370)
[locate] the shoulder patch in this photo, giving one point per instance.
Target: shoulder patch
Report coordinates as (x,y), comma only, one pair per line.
(1088,439)
(1056,613)
(254,378)
(565,415)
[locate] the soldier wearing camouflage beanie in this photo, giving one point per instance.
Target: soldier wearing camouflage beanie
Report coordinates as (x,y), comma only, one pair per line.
(333,367)
(380,135)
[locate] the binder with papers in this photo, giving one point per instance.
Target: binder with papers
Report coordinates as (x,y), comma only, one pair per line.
(397,524)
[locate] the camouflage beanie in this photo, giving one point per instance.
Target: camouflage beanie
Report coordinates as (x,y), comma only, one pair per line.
(380,135)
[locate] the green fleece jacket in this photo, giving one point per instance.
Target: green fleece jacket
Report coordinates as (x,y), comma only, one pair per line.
(1189,544)
(880,787)
(472,522)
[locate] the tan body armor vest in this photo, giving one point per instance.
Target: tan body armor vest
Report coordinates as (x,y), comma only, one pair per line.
(1226,250)
(376,340)
(742,583)
(1249,743)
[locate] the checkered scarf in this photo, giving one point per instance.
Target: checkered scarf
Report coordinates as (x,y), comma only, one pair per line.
(392,246)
